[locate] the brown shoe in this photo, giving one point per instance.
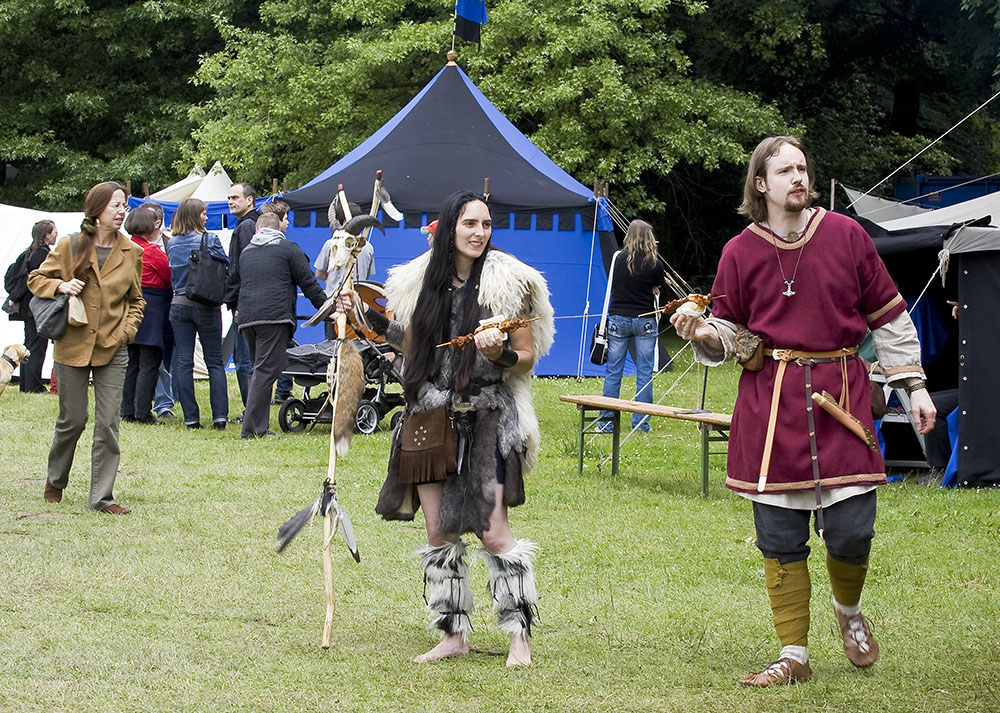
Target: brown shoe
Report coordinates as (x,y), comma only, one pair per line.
(860,646)
(782,671)
(52,493)
(116,509)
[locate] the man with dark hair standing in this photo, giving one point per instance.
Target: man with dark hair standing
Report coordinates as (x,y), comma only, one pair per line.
(242,199)
(271,269)
(803,286)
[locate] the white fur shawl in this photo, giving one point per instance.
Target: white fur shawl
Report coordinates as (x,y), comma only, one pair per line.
(506,285)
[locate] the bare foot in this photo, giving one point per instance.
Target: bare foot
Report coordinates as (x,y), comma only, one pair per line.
(520,651)
(451,646)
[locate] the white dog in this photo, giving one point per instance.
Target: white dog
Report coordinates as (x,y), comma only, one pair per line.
(12,356)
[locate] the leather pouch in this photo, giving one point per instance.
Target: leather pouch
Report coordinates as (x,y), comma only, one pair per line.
(749,349)
(427,450)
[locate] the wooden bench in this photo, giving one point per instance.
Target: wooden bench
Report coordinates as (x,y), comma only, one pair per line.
(714,427)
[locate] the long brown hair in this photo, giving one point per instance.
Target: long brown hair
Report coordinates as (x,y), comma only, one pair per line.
(754,204)
(640,246)
(187,218)
(38,232)
(93,205)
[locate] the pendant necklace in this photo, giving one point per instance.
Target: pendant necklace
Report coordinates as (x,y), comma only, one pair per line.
(791,237)
(789,282)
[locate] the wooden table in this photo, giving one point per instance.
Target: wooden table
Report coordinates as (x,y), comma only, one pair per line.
(714,427)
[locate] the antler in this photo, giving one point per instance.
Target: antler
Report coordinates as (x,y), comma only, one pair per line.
(506,326)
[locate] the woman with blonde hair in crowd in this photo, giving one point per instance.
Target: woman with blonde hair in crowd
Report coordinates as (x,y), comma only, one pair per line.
(103,268)
(637,275)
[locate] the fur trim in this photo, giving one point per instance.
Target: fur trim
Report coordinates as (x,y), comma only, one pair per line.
(446,587)
(506,285)
(348,392)
(512,581)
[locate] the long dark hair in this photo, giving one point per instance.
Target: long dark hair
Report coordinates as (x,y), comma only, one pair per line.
(38,232)
(432,319)
(93,205)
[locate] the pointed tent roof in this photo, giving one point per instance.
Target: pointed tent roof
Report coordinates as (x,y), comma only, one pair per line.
(450,137)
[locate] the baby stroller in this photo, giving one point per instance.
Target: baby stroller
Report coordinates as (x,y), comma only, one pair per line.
(307,365)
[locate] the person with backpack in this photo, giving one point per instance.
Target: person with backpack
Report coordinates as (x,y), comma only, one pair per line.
(43,236)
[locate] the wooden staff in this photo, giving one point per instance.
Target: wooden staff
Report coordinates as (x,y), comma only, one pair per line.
(331,472)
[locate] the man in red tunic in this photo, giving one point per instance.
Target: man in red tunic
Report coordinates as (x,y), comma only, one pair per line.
(809,285)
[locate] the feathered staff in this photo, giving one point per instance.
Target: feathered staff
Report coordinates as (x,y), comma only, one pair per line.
(346,381)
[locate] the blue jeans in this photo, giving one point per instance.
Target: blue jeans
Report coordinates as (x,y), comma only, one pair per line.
(621,332)
(241,360)
(206,322)
(163,398)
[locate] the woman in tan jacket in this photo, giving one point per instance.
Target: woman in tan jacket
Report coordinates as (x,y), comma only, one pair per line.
(104,269)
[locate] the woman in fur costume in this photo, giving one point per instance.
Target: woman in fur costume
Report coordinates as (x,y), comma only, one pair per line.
(480,400)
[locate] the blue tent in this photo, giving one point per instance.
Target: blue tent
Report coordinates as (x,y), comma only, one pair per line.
(450,137)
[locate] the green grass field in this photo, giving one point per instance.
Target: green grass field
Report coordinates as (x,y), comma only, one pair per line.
(652,596)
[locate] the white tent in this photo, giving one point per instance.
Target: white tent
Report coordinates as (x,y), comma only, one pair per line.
(878,209)
(183,188)
(211,186)
(988,205)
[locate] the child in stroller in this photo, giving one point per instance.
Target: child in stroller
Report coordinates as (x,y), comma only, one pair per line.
(307,365)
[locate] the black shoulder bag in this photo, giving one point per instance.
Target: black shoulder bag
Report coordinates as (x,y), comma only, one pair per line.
(207,273)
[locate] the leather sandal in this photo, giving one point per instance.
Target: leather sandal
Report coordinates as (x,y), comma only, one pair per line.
(781,672)
(860,646)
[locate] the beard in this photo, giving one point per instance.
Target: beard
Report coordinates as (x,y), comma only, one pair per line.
(797,203)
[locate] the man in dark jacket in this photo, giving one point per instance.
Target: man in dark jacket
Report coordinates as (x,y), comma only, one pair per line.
(242,198)
(271,268)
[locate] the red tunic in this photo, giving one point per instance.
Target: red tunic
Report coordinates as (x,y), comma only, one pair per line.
(842,289)
(155,265)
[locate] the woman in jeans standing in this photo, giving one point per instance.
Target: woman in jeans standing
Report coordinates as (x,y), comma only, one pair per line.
(638,275)
(188,318)
(101,267)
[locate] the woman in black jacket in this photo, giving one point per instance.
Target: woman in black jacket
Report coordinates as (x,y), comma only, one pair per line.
(43,235)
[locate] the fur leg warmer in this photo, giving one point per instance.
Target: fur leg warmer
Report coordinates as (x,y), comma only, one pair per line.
(446,587)
(512,581)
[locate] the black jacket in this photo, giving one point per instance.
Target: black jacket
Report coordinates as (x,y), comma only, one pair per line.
(242,233)
(269,276)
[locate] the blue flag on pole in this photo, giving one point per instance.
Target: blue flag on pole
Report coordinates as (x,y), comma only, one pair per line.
(469,16)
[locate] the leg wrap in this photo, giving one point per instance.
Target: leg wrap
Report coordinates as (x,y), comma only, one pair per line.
(512,581)
(846,580)
(446,587)
(788,588)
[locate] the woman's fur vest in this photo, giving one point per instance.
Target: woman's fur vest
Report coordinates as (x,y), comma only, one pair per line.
(505,286)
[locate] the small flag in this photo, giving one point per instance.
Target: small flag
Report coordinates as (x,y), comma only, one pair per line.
(469,15)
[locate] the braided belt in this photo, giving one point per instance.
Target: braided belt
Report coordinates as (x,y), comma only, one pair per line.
(804,359)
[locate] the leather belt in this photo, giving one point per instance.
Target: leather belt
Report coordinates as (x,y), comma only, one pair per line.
(805,359)
(787,355)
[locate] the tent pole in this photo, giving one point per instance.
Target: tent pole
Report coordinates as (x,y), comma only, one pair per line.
(833,194)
